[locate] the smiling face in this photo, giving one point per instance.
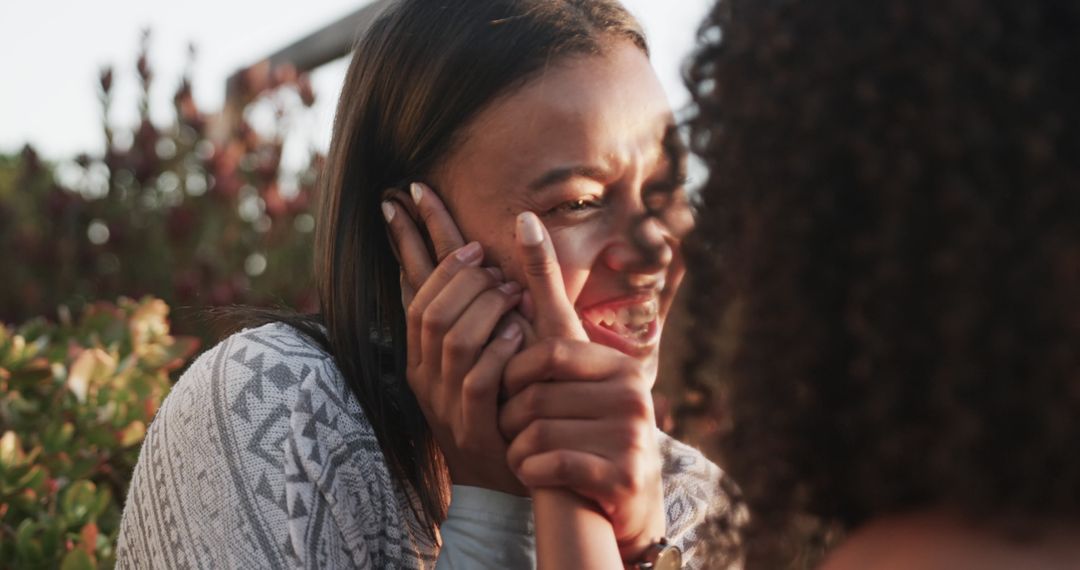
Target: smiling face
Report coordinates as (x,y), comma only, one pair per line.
(579,145)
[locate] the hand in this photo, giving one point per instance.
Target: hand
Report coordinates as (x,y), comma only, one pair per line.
(456,348)
(580,414)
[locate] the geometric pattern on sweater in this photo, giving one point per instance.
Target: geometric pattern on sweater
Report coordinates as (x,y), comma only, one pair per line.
(260,458)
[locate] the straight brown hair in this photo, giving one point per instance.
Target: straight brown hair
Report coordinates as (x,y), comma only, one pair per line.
(424,70)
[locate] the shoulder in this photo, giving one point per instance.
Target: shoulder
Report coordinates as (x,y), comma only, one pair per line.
(686,463)
(275,344)
(695,494)
(269,379)
(260,366)
(262,433)
(943,540)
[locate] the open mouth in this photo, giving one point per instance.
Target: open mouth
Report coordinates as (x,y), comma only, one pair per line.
(629,325)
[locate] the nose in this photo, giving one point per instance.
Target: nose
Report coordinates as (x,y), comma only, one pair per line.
(648,248)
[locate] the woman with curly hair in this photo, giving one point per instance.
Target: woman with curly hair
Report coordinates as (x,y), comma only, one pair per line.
(891,233)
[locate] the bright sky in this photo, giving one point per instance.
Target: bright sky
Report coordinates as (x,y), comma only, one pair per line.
(51,52)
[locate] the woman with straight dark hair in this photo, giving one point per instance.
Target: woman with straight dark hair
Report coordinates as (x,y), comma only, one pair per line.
(492,297)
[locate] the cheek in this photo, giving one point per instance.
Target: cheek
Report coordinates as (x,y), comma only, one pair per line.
(578,250)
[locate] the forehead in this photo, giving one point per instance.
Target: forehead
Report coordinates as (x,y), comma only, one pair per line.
(606,109)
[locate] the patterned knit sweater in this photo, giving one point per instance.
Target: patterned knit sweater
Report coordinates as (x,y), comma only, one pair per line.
(259,458)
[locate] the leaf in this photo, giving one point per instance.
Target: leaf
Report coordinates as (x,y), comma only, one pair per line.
(149,323)
(91,365)
(11,452)
(133,434)
(33,479)
(27,547)
(30,373)
(101,502)
(50,536)
(88,538)
(57,436)
(79,501)
(77,560)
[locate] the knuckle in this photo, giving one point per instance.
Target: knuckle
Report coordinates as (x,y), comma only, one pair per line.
(557,353)
(532,402)
(634,481)
(433,321)
(506,300)
(479,277)
(539,435)
(429,214)
(415,315)
(634,404)
(630,437)
(443,251)
(562,467)
(473,390)
(497,300)
(455,345)
(540,265)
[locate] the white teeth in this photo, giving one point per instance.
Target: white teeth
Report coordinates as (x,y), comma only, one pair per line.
(628,320)
(625,317)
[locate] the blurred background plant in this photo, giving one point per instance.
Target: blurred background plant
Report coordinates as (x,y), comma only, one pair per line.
(194,218)
(75,400)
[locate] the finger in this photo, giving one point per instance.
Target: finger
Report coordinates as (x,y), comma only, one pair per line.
(528,308)
(447,307)
(473,329)
(555,315)
(560,358)
(440,225)
(605,438)
(588,475)
(515,316)
(469,256)
(409,246)
(407,291)
(567,400)
(480,389)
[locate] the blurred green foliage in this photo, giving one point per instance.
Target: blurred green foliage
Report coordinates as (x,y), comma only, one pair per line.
(193,214)
(198,213)
(75,400)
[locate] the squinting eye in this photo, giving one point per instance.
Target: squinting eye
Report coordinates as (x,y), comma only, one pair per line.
(581,205)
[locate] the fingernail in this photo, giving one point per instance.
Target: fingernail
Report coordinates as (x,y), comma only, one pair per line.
(510,288)
(511,332)
(388,211)
(417,191)
(470,253)
(529,230)
(495,272)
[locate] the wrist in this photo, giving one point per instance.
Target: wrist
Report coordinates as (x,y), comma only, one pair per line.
(633,547)
(660,555)
(635,550)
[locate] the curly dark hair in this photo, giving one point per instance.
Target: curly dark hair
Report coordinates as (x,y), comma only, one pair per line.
(892,225)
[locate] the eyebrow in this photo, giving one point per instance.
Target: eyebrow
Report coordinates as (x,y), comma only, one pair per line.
(564,173)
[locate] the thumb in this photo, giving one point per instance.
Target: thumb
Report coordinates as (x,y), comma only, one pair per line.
(554,314)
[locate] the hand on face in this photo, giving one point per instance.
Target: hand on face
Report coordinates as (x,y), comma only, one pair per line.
(457,348)
(580,414)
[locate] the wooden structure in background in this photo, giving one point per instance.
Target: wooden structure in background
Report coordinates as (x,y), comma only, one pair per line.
(318,48)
